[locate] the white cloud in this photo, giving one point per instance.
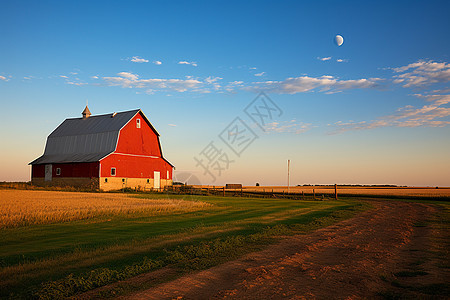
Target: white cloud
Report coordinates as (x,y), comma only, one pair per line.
(128,75)
(173,125)
(183,62)
(292,126)
(260,74)
(212,79)
(76,83)
(303,84)
(151,85)
(252,68)
(73,81)
(324,58)
(157,62)
(434,114)
(138,59)
(233,86)
(3,78)
(422,73)
(341,60)
(428,66)
(94,77)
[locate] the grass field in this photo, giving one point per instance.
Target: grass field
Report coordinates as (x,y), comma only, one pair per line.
(59,244)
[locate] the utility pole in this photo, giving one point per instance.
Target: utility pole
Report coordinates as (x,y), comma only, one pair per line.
(289,162)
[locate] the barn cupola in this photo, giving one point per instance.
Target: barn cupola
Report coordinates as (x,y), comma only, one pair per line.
(86,113)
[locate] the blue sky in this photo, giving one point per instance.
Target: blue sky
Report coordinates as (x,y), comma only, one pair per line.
(375,110)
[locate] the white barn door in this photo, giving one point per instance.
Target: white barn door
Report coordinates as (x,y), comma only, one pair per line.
(156,180)
(48,172)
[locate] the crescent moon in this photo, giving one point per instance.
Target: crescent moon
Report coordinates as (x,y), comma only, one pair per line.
(339,40)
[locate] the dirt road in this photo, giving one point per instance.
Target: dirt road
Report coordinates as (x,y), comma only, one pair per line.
(354,259)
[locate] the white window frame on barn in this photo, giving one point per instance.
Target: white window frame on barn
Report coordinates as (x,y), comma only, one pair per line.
(138,123)
(113,173)
(167,174)
(58,171)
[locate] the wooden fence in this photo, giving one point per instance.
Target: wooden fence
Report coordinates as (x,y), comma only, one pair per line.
(224,192)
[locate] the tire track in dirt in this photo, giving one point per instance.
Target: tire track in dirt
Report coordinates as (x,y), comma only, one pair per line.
(343,261)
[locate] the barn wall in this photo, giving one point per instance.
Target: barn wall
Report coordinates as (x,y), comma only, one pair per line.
(68,170)
(141,141)
(143,184)
(83,175)
(37,171)
(77,169)
(79,182)
(128,166)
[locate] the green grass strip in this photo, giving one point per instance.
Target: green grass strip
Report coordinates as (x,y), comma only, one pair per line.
(194,256)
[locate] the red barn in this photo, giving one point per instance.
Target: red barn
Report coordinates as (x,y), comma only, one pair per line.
(104,152)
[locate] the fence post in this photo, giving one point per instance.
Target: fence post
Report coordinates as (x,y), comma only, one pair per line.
(335,191)
(223,191)
(314,194)
(303,195)
(241,191)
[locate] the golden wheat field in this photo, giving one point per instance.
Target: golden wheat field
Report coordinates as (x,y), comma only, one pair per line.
(381,191)
(24,207)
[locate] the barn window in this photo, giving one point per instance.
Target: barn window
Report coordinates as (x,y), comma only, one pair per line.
(148,180)
(113,171)
(58,171)
(167,174)
(138,123)
(123,179)
(106,179)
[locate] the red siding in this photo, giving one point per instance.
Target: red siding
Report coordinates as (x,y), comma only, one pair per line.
(141,141)
(37,171)
(68,170)
(134,166)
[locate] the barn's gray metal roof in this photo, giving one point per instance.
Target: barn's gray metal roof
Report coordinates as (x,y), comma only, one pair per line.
(68,158)
(85,140)
(94,124)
